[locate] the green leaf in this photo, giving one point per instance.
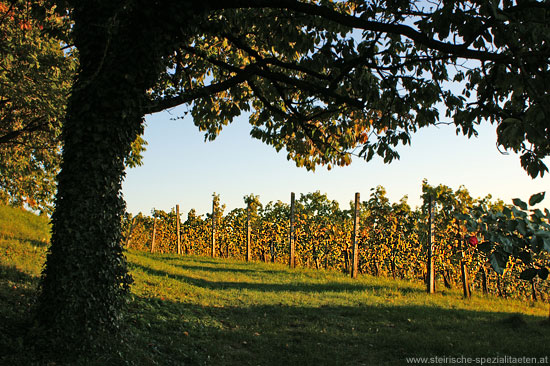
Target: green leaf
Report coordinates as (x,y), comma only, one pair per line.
(511,225)
(485,247)
(506,211)
(519,213)
(471,225)
(543,273)
(536,243)
(546,245)
(536,198)
(521,227)
(528,274)
(525,257)
(538,214)
(542,238)
(520,203)
(507,243)
(498,262)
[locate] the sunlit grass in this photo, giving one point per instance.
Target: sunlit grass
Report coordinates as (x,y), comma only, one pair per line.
(23,240)
(217,282)
(19,224)
(241,313)
(204,311)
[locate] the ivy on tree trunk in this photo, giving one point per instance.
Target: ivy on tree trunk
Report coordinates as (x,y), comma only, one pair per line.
(85,276)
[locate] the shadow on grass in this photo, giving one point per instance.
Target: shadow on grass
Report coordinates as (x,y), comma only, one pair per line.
(297,286)
(39,243)
(17,293)
(33,242)
(10,273)
(161,332)
(330,335)
(229,269)
(214,265)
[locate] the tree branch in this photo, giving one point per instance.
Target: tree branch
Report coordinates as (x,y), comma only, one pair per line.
(160,105)
(34,125)
(458,50)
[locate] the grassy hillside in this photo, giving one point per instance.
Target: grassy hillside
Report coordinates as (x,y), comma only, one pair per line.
(19,224)
(204,311)
(23,240)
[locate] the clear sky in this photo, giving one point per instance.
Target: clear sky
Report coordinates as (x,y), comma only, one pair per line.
(180,168)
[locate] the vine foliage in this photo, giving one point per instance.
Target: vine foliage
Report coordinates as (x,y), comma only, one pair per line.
(392,238)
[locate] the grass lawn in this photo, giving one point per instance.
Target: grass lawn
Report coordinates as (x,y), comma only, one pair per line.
(204,311)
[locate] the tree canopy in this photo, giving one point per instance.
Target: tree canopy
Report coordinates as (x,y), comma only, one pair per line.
(330,79)
(37,68)
(323,79)
(35,81)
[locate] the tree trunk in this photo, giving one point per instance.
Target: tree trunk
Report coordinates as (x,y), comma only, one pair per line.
(85,276)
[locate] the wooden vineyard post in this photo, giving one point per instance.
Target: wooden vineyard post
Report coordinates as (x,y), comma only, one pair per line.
(226,247)
(178,227)
(248,234)
(355,245)
(430,265)
(292,238)
(465,280)
(154,233)
(484,280)
(213,228)
(533,290)
(464,275)
(129,237)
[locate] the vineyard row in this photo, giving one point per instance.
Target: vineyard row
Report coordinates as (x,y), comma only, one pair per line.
(390,239)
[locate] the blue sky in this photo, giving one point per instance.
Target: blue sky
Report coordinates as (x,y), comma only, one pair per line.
(180,168)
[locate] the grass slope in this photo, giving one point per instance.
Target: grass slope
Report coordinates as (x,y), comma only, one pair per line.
(23,240)
(204,311)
